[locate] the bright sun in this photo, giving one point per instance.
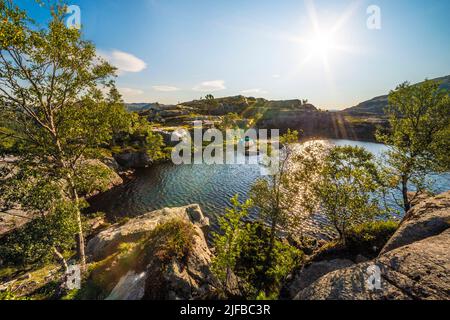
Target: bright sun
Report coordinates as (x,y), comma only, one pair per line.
(322,43)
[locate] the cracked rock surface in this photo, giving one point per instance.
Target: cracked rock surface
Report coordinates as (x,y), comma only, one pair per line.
(414,265)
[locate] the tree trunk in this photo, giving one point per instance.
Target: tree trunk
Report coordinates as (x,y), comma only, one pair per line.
(80,236)
(80,240)
(61,259)
(81,244)
(406,202)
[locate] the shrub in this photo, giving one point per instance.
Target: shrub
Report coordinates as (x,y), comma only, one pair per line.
(32,245)
(172,239)
(251,266)
(369,238)
(228,243)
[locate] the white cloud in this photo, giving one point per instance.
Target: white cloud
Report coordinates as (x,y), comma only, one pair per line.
(165,88)
(253,91)
(131,94)
(276,76)
(210,86)
(130,91)
(123,61)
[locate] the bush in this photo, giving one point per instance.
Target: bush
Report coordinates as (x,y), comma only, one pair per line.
(32,245)
(172,239)
(369,238)
(251,265)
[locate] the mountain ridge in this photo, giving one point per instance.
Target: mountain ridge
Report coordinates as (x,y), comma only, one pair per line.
(371,107)
(376,106)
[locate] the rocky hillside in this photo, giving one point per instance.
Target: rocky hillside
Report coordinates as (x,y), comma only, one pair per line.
(264,114)
(164,255)
(357,123)
(376,106)
(414,264)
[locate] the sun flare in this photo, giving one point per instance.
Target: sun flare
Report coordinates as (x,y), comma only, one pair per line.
(322,43)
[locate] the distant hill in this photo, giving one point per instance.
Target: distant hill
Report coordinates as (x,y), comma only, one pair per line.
(140,107)
(376,106)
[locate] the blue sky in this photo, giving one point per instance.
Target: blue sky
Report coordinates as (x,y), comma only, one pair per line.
(177,50)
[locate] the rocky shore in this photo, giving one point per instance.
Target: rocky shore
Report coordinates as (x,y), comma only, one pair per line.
(414,264)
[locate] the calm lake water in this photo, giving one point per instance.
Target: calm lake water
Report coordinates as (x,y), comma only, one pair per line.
(211,186)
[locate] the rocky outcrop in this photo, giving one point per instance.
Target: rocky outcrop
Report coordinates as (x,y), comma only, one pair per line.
(417,271)
(106,242)
(113,177)
(314,271)
(428,218)
(133,160)
(415,264)
(153,275)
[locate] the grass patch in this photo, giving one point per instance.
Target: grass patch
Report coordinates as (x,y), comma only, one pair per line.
(369,238)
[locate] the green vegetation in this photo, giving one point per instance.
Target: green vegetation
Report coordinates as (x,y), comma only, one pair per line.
(263,280)
(418,137)
(345,187)
(273,196)
(369,238)
(36,243)
(241,250)
(172,239)
(55,116)
(228,244)
(229,121)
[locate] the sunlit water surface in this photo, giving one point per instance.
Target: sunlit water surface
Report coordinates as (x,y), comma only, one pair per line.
(210,186)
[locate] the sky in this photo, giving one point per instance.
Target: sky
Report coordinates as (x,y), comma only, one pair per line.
(335,53)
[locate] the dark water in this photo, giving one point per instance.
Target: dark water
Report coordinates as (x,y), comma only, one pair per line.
(211,186)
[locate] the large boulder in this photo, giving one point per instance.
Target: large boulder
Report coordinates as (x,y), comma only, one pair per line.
(179,279)
(113,180)
(415,264)
(154,269)
(314,271)
(106,242)
(427,218)
(415,272)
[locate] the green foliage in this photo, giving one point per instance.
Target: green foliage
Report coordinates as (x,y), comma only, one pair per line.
(242,249)
(228,244)
(8,295)
(369,238)
(251,264)
(33,244)
(93,177)
(173,239)
(273,195)
(229,121)
(418,137)
(59,107)
(345,188)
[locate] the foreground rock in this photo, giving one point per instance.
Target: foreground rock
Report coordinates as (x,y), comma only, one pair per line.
(314,271)
(154,275)
(106,242)
(415,264)
(428,218)
(415,272)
